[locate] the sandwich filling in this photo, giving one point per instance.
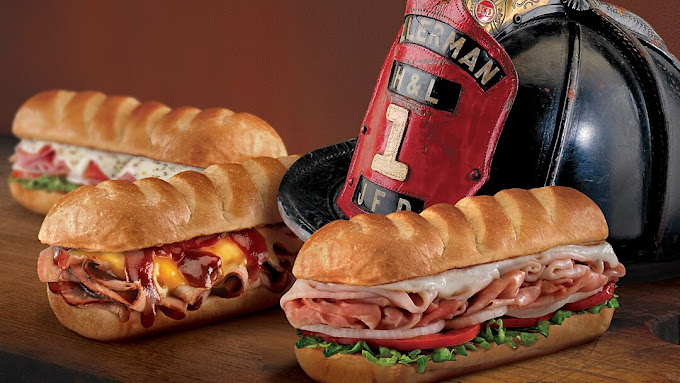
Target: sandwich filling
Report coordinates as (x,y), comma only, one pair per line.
(525,287)
(173,278)
(59,167)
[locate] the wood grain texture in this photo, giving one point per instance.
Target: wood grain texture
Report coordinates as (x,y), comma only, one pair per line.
(259,347)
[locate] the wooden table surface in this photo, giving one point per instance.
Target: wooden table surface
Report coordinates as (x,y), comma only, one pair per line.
(259,347)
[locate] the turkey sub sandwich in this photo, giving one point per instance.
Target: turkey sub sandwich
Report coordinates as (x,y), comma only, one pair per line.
(456,289)
(130,259)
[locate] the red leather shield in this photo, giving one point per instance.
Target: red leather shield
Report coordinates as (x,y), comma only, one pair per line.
(437,110)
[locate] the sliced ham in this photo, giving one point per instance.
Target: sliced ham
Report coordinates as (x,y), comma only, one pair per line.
(42,162)
(478,317)
(48,270)
(548,307)
(502,290)
(615,273)
(442,309)
(127,176)
(537,283)
(414,302)
(352,315)
(394,318)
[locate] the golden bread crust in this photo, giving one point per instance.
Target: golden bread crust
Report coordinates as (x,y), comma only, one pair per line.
(574,331)
(370,250)
(120,216)
(100,324)
(38,201)
(122,124)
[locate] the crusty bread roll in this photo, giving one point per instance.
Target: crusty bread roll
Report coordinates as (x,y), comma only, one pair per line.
(574,331)
(476,230)
(184,135)
(103,325)
(121,216)
(38,201)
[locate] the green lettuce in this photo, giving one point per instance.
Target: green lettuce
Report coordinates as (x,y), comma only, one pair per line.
(491,333)
(48,183)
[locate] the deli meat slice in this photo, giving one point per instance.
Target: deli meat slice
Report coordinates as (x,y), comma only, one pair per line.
(414,302)
(48,271)
(538,283)
(310,302)
(42,162)
(442,309)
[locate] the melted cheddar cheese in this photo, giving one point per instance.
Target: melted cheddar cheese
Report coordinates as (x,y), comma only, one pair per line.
(167,276)
(229,252)
(114,261)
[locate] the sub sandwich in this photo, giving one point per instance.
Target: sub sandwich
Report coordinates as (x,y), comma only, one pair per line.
(131,259)
(70,139)
(453,290)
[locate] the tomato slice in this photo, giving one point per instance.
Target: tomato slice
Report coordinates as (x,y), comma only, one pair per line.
(423,342)
(597,299)
(93,173)
(24,174)
(523,322)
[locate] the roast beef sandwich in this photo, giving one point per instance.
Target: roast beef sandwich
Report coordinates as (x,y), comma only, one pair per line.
(71,139)
(453,290)
(128,259)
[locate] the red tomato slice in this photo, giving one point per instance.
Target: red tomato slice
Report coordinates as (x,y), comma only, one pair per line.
(523,322)
(599,298)
(24,174)
(423,342)
(94,173)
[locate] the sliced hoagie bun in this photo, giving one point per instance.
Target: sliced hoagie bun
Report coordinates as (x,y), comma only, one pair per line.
(133,259)
(121,216)
(573,331)
(436,282)
(38,201)
(101,324)
(69,139)
(371,250)
(184,135)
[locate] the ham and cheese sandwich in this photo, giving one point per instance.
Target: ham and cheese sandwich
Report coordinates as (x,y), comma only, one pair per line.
(70,139)
(453,290)
(130,259)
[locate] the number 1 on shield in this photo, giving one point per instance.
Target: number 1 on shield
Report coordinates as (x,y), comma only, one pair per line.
(387,164)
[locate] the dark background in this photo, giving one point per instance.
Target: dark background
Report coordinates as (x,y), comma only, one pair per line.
(306,66)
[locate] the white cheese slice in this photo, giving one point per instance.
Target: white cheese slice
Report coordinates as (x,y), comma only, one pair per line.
(32,146)
(463,283)
(113,165)
(142,167)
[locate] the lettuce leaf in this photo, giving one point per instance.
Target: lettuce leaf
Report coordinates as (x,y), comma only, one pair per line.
(491,333)
(443,354)
(49,183)
(560,316)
